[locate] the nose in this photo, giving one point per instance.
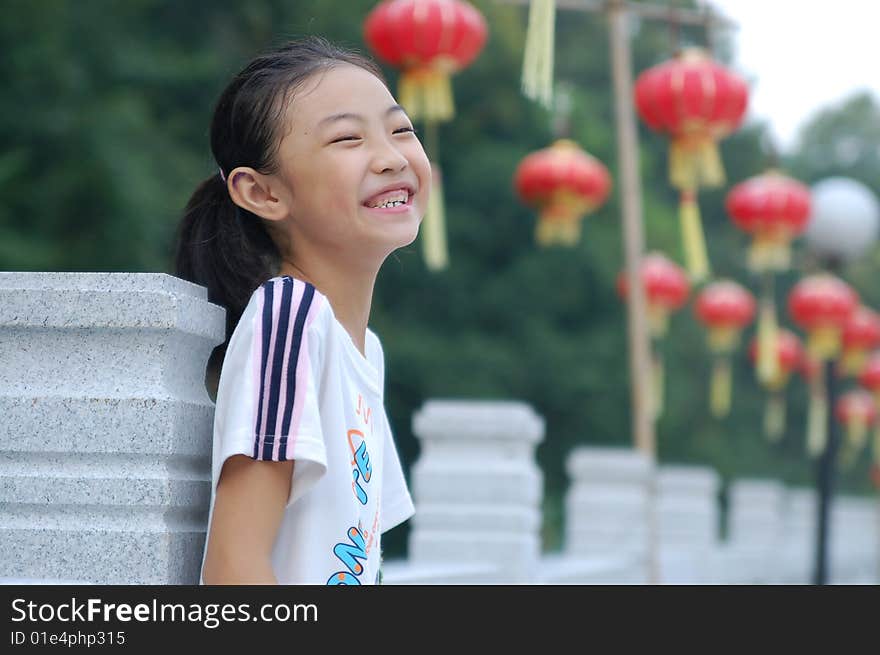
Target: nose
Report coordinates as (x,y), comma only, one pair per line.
(388,158)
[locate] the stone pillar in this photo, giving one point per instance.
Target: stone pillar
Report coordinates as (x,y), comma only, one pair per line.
(797,560)
(477,488)
(687,516)
(607,507)
(105,437)
(755,534)
(854,540)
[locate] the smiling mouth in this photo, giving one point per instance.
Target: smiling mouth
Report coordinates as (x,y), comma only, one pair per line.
(390,199)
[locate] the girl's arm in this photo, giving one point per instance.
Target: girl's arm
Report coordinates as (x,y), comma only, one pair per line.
(248,507)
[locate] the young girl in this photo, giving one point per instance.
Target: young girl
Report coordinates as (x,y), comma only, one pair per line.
(320,178)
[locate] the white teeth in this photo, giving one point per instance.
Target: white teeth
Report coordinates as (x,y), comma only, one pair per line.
(394,201)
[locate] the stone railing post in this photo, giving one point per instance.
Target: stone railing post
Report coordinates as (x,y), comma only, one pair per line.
(687,517)
(755,534)
(105,426)
(855,542)
(607,507)
(477,488)
(796,563)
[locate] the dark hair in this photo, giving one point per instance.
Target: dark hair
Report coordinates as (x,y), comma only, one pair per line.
(220,245)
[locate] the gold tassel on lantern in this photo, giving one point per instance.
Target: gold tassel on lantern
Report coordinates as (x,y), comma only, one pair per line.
(658,320)
(853,361)
(817,416)
(774,416)
(720,387)
(770,251)
(768,358)
(560,219)
(426,93)
(434,226)
(694,163)
(856,437)
(557,231)
(692,235)
(823,342)
(658,386)
(537,73)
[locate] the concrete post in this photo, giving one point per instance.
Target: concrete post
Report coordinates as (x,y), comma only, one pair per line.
(477,488)
(105,435)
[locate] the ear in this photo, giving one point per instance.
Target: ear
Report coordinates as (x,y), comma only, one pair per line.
(258,193)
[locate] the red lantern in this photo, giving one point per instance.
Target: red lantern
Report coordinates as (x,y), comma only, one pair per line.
(789,358)
(870,375)
(565,183)
(429,40)
(666,290)
(857,411)
(861,333)
(774,209)
(821,305)
(725,308)
(696,102)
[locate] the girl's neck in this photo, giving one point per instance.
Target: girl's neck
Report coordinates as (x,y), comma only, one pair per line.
(350,295)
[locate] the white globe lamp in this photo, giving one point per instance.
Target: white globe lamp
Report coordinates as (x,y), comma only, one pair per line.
(844,219)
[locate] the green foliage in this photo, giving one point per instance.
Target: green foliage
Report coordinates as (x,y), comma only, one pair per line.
(104,119)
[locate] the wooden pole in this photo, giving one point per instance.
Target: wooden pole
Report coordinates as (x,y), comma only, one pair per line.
(633,248)
(633,233)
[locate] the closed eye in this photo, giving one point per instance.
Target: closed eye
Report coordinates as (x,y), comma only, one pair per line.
(348,137)
(405,129)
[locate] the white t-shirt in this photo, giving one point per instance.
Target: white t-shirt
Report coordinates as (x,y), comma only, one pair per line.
(294,386)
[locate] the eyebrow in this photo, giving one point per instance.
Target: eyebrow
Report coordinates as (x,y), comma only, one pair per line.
(358,117)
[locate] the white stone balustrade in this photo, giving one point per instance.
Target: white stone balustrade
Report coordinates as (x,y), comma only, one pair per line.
(687,522)
(755,531)
(105,445)
(105,426)
(477,488)
(796,561)
(608,511)
(855,540)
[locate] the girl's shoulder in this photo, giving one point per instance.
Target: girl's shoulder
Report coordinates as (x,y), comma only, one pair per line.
(286,304)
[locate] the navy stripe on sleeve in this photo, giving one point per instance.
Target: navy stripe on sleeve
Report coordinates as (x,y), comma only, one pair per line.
(302,312)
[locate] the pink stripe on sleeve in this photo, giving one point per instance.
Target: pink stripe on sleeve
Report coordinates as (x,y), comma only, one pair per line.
(298,289)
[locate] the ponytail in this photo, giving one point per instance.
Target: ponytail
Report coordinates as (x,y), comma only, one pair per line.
(224,248)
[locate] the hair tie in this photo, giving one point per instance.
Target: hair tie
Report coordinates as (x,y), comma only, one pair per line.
(222,176)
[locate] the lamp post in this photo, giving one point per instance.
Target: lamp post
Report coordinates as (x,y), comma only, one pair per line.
(843,226)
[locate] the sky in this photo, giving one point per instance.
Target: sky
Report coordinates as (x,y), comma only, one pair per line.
(803,55)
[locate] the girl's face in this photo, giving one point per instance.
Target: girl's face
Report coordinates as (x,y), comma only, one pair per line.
(356,175)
